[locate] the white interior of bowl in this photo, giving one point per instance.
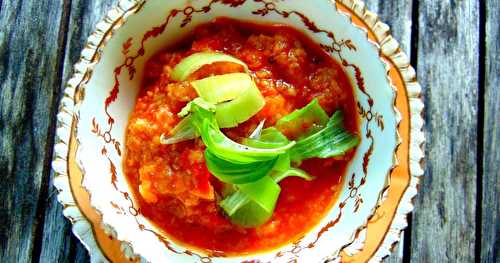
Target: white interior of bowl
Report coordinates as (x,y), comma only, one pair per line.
(101,141)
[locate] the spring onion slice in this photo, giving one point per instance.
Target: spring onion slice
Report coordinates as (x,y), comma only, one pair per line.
(248,103)
(233,173)
(331,141)
(258,131)
(198,101)
(233,202)
(261,144)
(250,215)
(279,176)
(304,121)
(202,119)
(246,98)
(222,88)
(264,192)
(192,63)
(253,204)
(268,139)
(231,151)
(272,134)
(282,169)
(282,164)
(183,131)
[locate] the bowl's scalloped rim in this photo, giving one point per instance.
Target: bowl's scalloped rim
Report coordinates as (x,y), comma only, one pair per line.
(391,48)
(355,236)
(66,117)
(82,228)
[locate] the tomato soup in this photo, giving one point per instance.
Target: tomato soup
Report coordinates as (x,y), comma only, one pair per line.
(171,183)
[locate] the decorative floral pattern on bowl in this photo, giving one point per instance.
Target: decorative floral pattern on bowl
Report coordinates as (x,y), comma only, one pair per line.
(107,94)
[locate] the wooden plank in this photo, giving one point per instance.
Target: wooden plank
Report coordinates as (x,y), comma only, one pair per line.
(398,15)
(396,256)
(444,222)
(401,30)
(59,244)
(490,248)
(30,58)
(81,254)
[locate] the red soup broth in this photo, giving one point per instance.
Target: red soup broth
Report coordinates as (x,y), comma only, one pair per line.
(171,182)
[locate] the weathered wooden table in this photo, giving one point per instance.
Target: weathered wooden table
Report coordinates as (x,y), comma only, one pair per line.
(454,45)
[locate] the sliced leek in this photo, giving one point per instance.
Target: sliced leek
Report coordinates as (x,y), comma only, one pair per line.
(194,62)
(304,121)
(248,103)
(331,141)
(222,88)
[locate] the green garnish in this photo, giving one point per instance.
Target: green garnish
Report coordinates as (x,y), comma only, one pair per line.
(222,88)
(198,101)
(304,121)
(252,170)
(223,147)
(330,141)
(253,204)
(247,101)
(196,61)
(249,214)
(183,131)
(233,202)
(279,176)
(232,173)
(269,138)
(250,102)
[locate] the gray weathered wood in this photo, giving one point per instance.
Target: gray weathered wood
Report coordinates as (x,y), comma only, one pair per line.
(29,82)
(41,40)
(395,257)
(443,227)
(490,248)
(58,243)
(398,15)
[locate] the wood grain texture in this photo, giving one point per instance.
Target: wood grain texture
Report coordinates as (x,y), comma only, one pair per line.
(490,234)
(59,244)
(29,83)
(41,40)
(398,15)
(443,226)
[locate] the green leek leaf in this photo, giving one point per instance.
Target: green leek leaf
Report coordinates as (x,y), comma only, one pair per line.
(331,141)
(250,215)
(233,173)
(192,63)
(279,176)
(237,96)
(253,204)
(304,121)
(222,88)
(183,131)
(269,138)
(231,113)
(223,147)
(258,130)
(264,192)
(233,202)
(198,101)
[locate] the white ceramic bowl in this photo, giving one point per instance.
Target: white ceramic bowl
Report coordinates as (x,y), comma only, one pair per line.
(109,77)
